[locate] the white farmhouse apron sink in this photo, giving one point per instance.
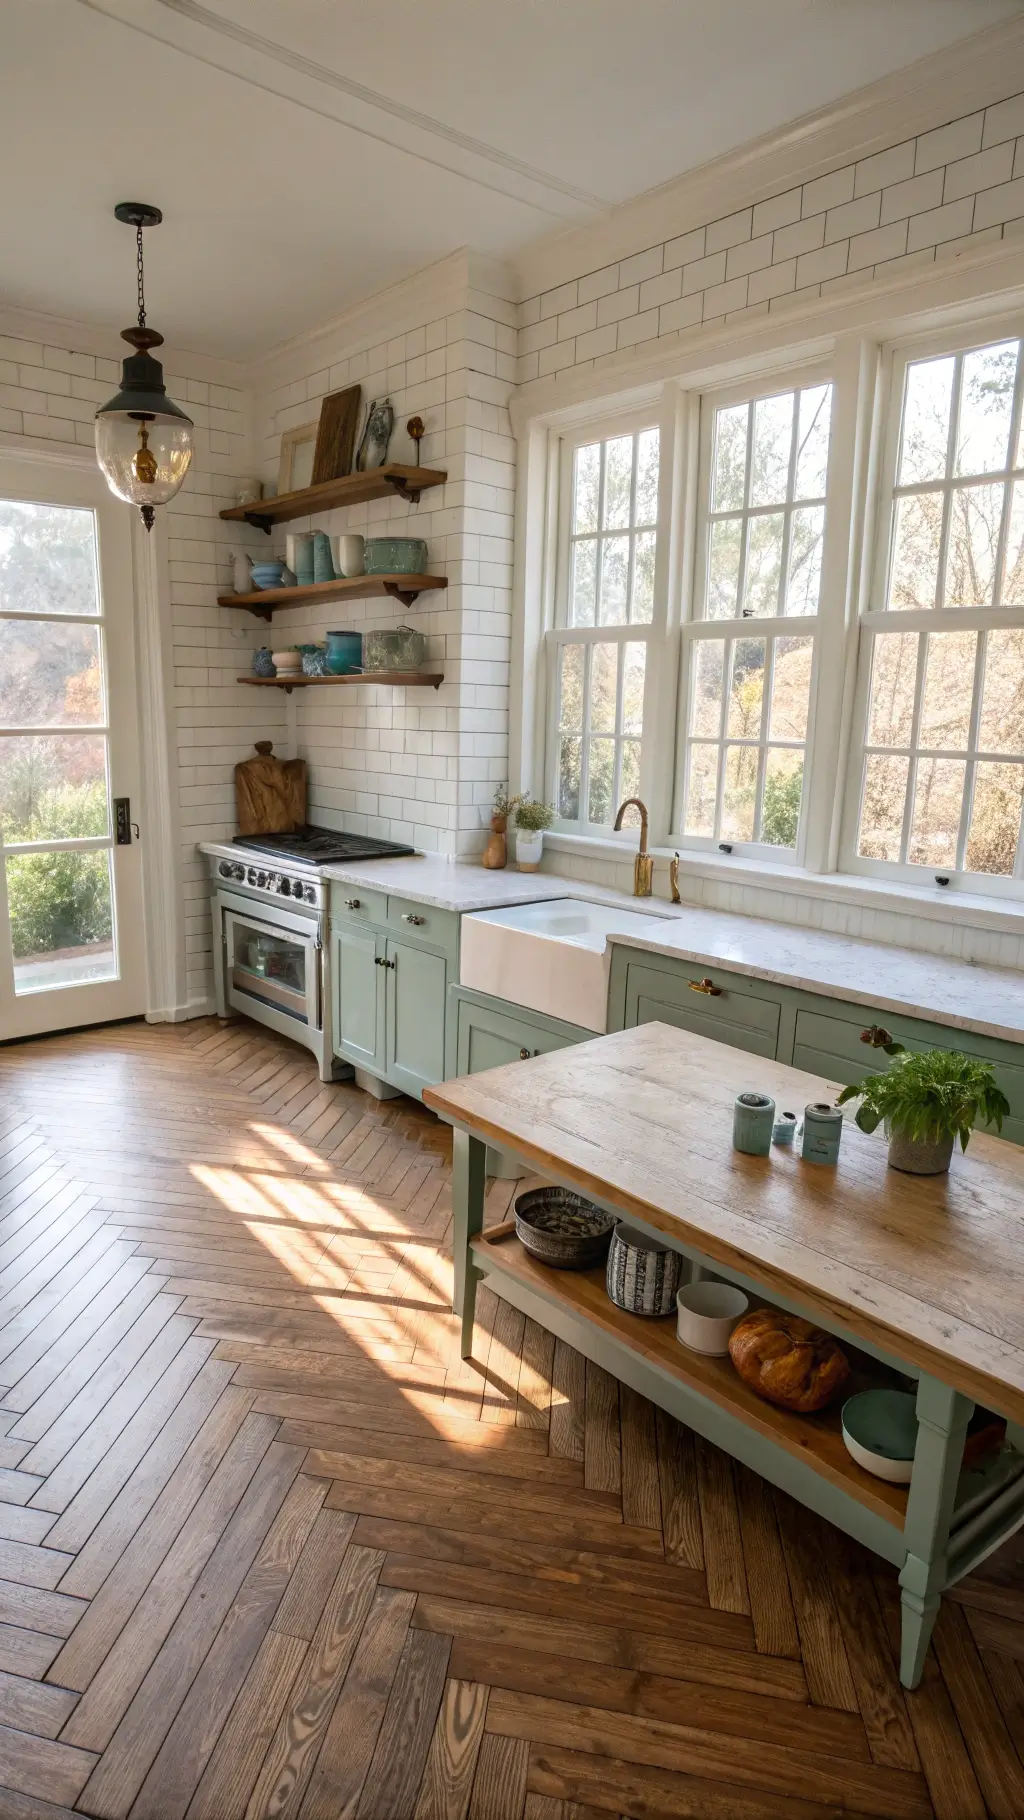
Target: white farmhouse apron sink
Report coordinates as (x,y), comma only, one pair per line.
(552,957)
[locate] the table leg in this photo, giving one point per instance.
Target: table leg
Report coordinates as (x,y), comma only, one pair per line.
(943,1415)
(468,1179)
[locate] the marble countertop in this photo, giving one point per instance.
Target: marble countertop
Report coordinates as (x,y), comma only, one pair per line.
(987,1000)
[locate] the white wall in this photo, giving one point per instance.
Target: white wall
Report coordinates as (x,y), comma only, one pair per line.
(411,764)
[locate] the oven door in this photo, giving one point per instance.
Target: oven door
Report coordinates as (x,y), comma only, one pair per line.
(271,965)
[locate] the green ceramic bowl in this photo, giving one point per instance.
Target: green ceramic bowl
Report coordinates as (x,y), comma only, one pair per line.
(880,1431)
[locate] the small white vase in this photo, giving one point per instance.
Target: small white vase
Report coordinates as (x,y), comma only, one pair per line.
(243,573)
(529,847)
(348,554)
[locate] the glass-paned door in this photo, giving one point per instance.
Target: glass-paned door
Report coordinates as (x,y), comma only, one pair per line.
(71,947)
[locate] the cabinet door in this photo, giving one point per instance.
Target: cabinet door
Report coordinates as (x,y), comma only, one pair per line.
(359,997)
(735,1014)
(416,985)
(488,1039)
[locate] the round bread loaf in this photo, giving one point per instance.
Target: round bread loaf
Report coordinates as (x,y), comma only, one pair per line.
(787,1361)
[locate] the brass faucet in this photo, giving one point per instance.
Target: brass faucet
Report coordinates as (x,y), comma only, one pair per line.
(643,865)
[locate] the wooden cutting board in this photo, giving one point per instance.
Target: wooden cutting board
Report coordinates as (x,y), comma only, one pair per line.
(270,793)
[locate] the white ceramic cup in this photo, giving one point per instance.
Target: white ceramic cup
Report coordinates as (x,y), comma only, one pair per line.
(348,554)
(706,1314)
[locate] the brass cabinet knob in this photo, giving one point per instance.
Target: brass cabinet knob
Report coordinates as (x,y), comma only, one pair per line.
(352,903)
(408,917)
(706,985)
(876,1037)
(524,1055)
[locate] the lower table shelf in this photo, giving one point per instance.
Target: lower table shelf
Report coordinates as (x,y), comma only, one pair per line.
(815,1439)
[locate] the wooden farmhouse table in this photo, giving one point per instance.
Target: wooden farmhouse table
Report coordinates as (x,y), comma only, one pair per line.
(923,1276)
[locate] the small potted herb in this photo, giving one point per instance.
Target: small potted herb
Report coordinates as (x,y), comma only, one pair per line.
(531,820)
(926,1101)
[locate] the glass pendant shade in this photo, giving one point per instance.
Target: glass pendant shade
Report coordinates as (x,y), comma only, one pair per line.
(145,457)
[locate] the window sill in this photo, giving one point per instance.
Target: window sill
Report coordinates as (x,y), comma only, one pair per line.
(933,902)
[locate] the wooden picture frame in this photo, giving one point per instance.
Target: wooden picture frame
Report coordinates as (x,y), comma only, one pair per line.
(336,434)
(298,448)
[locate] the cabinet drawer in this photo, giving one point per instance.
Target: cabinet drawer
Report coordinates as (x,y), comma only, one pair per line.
(438,927)
(831,1046)
(356,901)
(736,1014)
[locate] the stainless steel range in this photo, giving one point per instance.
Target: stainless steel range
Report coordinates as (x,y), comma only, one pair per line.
(271,955)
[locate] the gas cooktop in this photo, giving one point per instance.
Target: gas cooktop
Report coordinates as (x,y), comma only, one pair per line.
(322,846)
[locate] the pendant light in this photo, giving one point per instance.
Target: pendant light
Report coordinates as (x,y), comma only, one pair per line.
(143,441)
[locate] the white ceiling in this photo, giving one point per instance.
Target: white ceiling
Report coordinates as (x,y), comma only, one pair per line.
(308,152)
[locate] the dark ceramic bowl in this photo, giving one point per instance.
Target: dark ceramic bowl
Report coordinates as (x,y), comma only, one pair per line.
(562,1229)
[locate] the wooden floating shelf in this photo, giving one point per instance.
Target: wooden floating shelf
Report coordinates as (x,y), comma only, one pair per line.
(394,478)
(404,588)
(399,679)
(815,1439)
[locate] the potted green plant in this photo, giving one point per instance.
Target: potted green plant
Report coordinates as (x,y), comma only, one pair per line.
(532,818)
(926,1101)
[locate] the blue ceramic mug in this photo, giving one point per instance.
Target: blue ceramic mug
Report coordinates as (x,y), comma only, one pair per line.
(344,653)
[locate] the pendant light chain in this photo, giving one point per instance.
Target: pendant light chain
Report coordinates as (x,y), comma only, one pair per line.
(142,290)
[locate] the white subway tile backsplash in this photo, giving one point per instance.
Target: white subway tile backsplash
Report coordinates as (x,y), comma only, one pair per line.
(730,231)
(803,236)
(948,143)
(937,225)
(828,192)
(777,212)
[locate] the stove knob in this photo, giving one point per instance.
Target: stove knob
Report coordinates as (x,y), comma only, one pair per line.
(252,875)
(284,886)
(224,869)
(261,880)
(311,894)
(238,872)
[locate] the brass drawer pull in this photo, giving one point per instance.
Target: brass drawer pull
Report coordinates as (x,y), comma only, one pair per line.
(379,961)
(706,985)
(408,917)
(876,1037)
(525,1054)
(353,903)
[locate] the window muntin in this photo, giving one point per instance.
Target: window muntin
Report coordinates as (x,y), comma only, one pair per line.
(600,725)
(941,783)
(614,531)
(766,505)
(747,720)
(957,536)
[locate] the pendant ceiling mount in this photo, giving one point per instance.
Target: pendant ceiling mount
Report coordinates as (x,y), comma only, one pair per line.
(144,441)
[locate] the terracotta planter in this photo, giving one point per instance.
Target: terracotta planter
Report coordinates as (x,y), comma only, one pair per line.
(919,1156)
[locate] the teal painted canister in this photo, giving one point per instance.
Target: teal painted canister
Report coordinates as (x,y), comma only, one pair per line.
(823,1128)
(753,1119)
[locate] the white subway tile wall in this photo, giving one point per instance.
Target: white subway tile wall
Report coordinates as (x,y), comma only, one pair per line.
(928,198)
(412,764)
(52,393)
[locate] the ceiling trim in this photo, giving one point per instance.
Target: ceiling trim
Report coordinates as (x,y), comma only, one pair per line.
(93,338)
(973,73)
(974,283)
(195,31)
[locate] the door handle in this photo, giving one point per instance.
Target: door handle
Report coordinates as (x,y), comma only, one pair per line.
(408,917)
(379,961)
(706,985)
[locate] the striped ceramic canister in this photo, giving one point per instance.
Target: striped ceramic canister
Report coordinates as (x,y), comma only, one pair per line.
(643,1276)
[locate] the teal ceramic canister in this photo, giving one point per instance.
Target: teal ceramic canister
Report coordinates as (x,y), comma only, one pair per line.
(823,1128)
(753,1120)
(323,564)
(344,653)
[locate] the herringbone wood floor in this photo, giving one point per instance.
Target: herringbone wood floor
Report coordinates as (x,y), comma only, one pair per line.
(268,1548)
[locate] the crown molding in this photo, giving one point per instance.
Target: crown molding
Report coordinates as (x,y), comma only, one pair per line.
(976,282)
(977,71)
(93,338)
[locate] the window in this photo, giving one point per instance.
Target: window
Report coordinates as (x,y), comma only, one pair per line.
(606,594)
(941,773)
(764,464)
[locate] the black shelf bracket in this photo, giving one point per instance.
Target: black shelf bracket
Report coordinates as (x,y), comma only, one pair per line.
(259,522)
(407,596)
(266,613)
(403,489)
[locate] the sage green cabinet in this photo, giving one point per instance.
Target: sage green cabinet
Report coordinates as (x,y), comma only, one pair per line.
(415,990)
(359,996)
(487,1032)
(727,1008)
(392,963)
(823,1036)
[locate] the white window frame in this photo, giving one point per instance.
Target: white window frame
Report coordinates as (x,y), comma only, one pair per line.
(559,633)
(695,627)
(875,618)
